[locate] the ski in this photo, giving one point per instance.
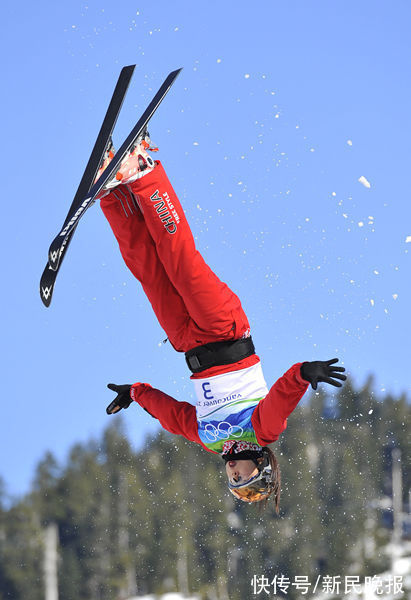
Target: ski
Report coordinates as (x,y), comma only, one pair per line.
(49,276)
(97,154)
(80,207)
(100,146)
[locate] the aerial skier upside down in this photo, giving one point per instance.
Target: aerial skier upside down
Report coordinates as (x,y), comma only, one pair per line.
(235,416)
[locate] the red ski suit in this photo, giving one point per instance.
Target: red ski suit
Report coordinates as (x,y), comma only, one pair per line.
(191,304)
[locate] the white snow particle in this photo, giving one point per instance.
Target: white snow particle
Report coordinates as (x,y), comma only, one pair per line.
(370,411)
(376,272)
(195,143)
(349,142)
(247,76)
(408,239)
(360,224)
(333,193)
(395,296)
(218,60)
(372,302)
(364,181)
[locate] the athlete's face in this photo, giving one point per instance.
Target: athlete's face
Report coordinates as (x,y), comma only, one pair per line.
(239,471)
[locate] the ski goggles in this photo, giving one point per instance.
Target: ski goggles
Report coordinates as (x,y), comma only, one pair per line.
(255,489)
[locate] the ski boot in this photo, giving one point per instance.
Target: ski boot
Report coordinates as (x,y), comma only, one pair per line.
(108,155)
(136,163)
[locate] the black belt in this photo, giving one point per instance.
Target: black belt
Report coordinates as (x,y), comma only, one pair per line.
(214,354)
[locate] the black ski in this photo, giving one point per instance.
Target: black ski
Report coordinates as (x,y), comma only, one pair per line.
(99,149)
(97,154)
(80,207)
(49,276)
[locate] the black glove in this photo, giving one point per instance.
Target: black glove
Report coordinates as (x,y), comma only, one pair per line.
(123,399)
(321,370)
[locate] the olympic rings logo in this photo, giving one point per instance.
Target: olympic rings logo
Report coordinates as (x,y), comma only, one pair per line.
(218,433)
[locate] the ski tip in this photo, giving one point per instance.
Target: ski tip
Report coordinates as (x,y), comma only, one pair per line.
(171,77)
(47,285)
(174,74)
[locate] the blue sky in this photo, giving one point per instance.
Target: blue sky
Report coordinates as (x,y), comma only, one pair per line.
(280,109)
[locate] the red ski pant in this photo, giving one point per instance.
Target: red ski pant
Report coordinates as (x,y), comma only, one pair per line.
(191,304)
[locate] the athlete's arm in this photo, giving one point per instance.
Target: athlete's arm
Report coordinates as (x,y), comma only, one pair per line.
(174,416)
(269,418)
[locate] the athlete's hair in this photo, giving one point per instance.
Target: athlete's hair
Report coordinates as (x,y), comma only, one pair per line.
(276,483)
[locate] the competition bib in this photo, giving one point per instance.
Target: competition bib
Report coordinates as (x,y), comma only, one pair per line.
(225,404)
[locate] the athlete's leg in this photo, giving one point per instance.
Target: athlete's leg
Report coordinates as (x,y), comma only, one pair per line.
(213,307)
(140,255)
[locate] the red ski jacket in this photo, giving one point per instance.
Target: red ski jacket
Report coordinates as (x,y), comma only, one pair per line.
(269,418)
